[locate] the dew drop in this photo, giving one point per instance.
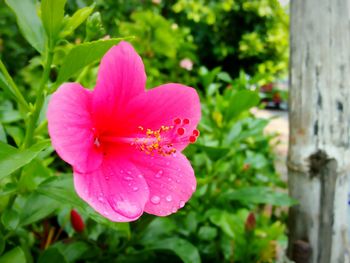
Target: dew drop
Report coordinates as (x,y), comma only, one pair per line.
(155,199)
(128,178)
(169,198)
(107,177)
(140,176)
(169,179)
(182,204)
(168,163)
(193,187)
(105,213)
(121,171)
(174,209)
(178,181)
(125,208)
(128,172)
(159,174)
(135,188)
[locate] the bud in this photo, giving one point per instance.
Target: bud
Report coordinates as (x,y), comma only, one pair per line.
(250,222)
(76,221)
(94,27)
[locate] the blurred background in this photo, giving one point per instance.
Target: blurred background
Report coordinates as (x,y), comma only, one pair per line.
(235,53)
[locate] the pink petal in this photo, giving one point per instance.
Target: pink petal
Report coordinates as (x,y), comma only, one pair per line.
(121,76)
(117,190)
(170,179)
(70,127)
(162,105)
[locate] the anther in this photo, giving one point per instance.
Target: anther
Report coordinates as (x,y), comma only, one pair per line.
(195,133)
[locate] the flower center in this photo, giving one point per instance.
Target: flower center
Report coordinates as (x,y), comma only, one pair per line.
(162,141)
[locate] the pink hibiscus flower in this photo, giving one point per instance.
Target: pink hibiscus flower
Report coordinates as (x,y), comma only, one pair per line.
(125,142)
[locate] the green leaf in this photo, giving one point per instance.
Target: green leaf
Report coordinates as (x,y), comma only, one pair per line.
(214,153)
(83,55)
(241,101)
(29,22)
(36,208)
(10,219)
(9,188)
(52,255)
(182,248)
(258,195)
(223,220)
(224,76)
(15,255)
(207,233)
(76,20)
(12,158)
(52,13)
(2,243)
(73,251)
(2,134)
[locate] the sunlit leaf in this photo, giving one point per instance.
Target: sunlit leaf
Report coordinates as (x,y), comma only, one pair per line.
(12,158)
(28,22)
(52,13)
(16,255)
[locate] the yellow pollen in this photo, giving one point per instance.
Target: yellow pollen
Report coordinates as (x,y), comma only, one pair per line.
(155,141)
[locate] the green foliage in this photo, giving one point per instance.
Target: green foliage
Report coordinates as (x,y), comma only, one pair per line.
(15,255)
(240,34)
(233,158)
(28,22)
(52,12)
(162,45)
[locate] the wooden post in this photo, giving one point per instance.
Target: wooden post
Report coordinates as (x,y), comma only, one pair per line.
(319,154)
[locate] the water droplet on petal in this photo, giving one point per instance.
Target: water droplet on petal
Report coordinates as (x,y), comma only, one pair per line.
(128,178)
(174,209)
(135,188)
(155,199)
(169,198)
(140,176)
(193,187)
(128,172)
(159,174)
(105,213)
(107,177)
(125,208)
(121,171)
(182,204)
(178,181)
(169,179)
(167,163)
(100,198)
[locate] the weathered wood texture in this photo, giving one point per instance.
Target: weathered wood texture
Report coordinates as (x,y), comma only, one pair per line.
(319,154)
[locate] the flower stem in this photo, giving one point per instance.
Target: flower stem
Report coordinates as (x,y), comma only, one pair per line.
(40,98)
(12,88)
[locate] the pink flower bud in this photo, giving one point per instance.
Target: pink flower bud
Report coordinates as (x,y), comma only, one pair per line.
(76,221)
(250,222)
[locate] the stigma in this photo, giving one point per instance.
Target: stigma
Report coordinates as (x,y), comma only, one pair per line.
(163,141)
